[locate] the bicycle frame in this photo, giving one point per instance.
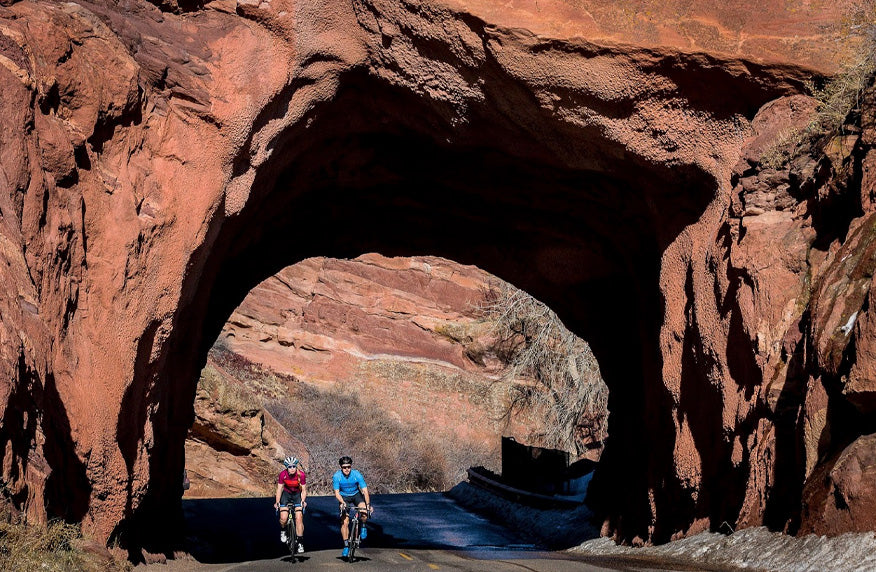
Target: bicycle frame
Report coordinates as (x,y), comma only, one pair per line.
(291,529)
(355,516)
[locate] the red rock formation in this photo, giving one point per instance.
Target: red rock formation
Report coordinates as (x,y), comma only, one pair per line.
(161,158)
(840,494)
(405,334)
(320,319)
(235,446)
(385,329)
(780,329)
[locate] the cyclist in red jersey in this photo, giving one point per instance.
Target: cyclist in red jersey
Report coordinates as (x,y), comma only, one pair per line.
(291,489)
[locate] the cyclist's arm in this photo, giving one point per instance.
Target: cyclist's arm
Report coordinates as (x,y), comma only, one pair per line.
(338,496)
(278,495)
(303,494)
(366,495)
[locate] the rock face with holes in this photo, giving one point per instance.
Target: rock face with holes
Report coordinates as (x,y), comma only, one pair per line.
(160,158)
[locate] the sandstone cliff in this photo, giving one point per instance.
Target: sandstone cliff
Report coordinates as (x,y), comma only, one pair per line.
(409,338)
(235,446)
(160,158)
(380,328)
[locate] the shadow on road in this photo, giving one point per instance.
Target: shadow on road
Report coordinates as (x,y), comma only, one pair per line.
(241,529)
(244,529)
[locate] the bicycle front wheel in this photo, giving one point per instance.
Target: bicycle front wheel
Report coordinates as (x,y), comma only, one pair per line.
(354,539)
(291,538)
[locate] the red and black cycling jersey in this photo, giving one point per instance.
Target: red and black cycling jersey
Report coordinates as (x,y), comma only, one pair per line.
(293,481)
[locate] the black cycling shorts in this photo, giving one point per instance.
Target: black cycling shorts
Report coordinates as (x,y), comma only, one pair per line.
(354,500)
(290,498)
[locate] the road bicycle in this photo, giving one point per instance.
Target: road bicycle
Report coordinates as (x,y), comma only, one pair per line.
(355,523)
(291,533)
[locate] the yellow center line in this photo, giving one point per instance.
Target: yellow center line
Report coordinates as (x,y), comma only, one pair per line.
(433,566)
(405,556)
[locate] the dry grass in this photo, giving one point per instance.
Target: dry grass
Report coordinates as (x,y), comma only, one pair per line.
(261,380)
(394,457)
(568,395)
(787,145)
(53,547)
(839,98)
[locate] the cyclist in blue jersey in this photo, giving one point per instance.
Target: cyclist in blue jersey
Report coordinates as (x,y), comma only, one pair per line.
(350,489)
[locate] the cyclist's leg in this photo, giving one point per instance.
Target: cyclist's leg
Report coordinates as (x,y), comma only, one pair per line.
(344,523)
(299,521)
(284,515)
(284,520)
(360,502)
(351,501)
(362,517)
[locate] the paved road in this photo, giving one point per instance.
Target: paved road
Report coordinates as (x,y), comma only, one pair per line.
(407,532)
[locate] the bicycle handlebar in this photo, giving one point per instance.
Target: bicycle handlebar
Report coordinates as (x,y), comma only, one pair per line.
(355,510)
(292,507)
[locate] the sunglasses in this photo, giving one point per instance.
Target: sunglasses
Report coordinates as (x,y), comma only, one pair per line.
(346,466)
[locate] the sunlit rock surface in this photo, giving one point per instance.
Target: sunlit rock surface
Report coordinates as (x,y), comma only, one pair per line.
(160,159)
(234,446)
(410,336)
(405,334)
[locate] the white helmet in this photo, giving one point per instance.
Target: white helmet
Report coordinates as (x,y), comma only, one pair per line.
(291,462)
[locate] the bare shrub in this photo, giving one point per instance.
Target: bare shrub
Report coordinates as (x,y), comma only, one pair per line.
(839,98)
(394,457)
(567,391)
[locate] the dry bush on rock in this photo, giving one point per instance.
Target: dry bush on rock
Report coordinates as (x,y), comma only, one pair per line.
(842,94)
(224,396)
(839,98)
(56,546)
(393,457)
(259,380)
(568,394)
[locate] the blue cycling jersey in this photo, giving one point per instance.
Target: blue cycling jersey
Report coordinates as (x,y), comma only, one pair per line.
(348,486)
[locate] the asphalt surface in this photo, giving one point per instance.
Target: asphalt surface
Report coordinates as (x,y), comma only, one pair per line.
(426,531)
(232,530)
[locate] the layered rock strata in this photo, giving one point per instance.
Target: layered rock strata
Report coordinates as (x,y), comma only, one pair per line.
(159,159)
(402,334)
(409,335)
(235,446)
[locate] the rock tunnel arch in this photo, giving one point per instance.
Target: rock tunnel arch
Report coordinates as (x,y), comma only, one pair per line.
(565,212)
(144,154)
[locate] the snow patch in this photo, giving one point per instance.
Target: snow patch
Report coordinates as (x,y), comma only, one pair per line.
(848,327)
